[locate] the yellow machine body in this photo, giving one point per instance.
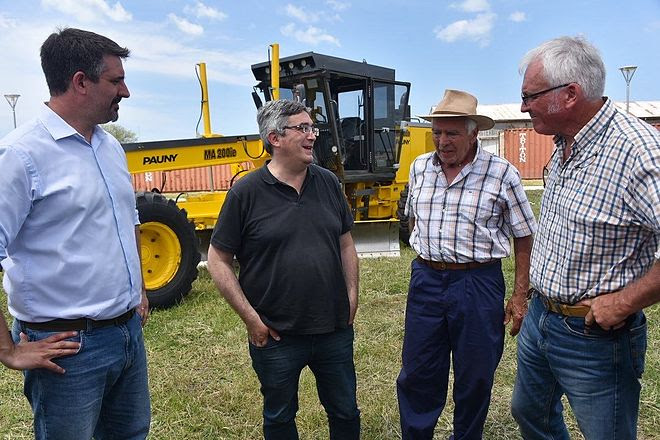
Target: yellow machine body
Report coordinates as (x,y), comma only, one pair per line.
(366,139)
(373,194)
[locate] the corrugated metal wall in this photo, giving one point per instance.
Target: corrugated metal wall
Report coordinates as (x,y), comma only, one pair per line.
(527,150)
(523,147)
(192,179)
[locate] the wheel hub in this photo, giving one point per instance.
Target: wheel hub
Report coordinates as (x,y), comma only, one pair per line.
(161,254)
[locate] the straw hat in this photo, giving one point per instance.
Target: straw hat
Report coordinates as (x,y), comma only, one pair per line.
(457,104)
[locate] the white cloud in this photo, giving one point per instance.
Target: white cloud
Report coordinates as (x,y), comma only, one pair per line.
(185,26)
(652,27)
(337,5)
(6,22)
(518,16)
(88,11)
(300,14)
(200,10)
(312,35)
(154,50)
(472,5)
(159,57)
(475,30)
(159,54)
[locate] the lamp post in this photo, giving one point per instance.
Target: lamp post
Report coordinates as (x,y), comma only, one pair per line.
(628,72)
(11,99)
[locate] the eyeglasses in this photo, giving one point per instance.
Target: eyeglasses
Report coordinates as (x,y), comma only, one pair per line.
(304,128)
(533,96)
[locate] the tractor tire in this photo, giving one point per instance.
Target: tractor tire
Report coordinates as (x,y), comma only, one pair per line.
(169,250)
(404,230)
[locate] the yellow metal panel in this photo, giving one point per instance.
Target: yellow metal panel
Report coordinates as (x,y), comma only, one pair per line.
(275,71)
(173,158)
(203,209)
(206,112)
(418,140)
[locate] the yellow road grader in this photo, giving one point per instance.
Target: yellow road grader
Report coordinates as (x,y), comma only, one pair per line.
(366,138)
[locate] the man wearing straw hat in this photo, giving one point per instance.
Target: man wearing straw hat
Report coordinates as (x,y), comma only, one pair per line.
(464,204)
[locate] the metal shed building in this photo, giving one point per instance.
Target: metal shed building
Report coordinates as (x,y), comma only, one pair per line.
(514,138)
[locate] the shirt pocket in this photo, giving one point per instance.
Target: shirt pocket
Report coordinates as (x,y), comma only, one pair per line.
(638,341)
(479,206)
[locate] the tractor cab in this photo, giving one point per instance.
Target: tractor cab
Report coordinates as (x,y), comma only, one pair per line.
(358,108)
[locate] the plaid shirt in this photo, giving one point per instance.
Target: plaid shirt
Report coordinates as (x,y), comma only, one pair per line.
(599,227)
(472,218)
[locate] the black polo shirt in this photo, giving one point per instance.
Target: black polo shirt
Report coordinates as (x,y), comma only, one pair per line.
(287,246)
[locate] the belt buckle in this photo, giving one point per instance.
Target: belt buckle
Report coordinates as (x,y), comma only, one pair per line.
(442,265)
(556,307)
(547,303)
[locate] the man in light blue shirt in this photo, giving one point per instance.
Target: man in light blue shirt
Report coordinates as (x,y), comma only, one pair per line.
(69,245)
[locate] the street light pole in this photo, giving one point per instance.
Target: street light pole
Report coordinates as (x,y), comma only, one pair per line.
(11,99)
(628,72)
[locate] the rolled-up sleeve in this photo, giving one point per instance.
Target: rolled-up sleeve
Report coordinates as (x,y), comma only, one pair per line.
(520,215)
(411,183)
(643,192)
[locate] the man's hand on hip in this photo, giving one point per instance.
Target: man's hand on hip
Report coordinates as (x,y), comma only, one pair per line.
(38,354)
(609,311)
(258,333)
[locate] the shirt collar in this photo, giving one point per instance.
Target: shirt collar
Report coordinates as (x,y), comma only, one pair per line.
(592,129)
(268,177)
(56,126)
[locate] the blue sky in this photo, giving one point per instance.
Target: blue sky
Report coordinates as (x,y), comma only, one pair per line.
(474,45)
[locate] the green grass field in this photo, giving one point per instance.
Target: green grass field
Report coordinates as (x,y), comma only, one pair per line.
(203,386)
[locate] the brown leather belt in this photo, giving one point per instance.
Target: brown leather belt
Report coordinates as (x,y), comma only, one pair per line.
(63,325)
(441,265)
(561,308)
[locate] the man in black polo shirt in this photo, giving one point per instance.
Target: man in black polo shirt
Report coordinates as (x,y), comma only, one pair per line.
(288,224)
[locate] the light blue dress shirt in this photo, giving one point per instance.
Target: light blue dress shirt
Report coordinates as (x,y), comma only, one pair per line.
(67,223)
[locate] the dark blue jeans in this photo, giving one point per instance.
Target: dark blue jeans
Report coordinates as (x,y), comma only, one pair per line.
(330,357)
(598,370)
(104,392)
(457,315)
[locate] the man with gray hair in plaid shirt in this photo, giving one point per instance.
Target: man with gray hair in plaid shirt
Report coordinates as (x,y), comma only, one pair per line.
(464,205)
(594,263)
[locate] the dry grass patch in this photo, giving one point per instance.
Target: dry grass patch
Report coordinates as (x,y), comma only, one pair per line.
(203,386)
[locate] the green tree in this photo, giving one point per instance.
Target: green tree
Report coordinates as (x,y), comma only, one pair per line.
(122,134)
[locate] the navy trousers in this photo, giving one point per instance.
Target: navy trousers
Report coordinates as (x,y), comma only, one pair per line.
(457,314)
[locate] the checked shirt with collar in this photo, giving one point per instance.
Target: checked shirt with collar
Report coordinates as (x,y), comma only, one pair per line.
(472,218)
(599,227)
